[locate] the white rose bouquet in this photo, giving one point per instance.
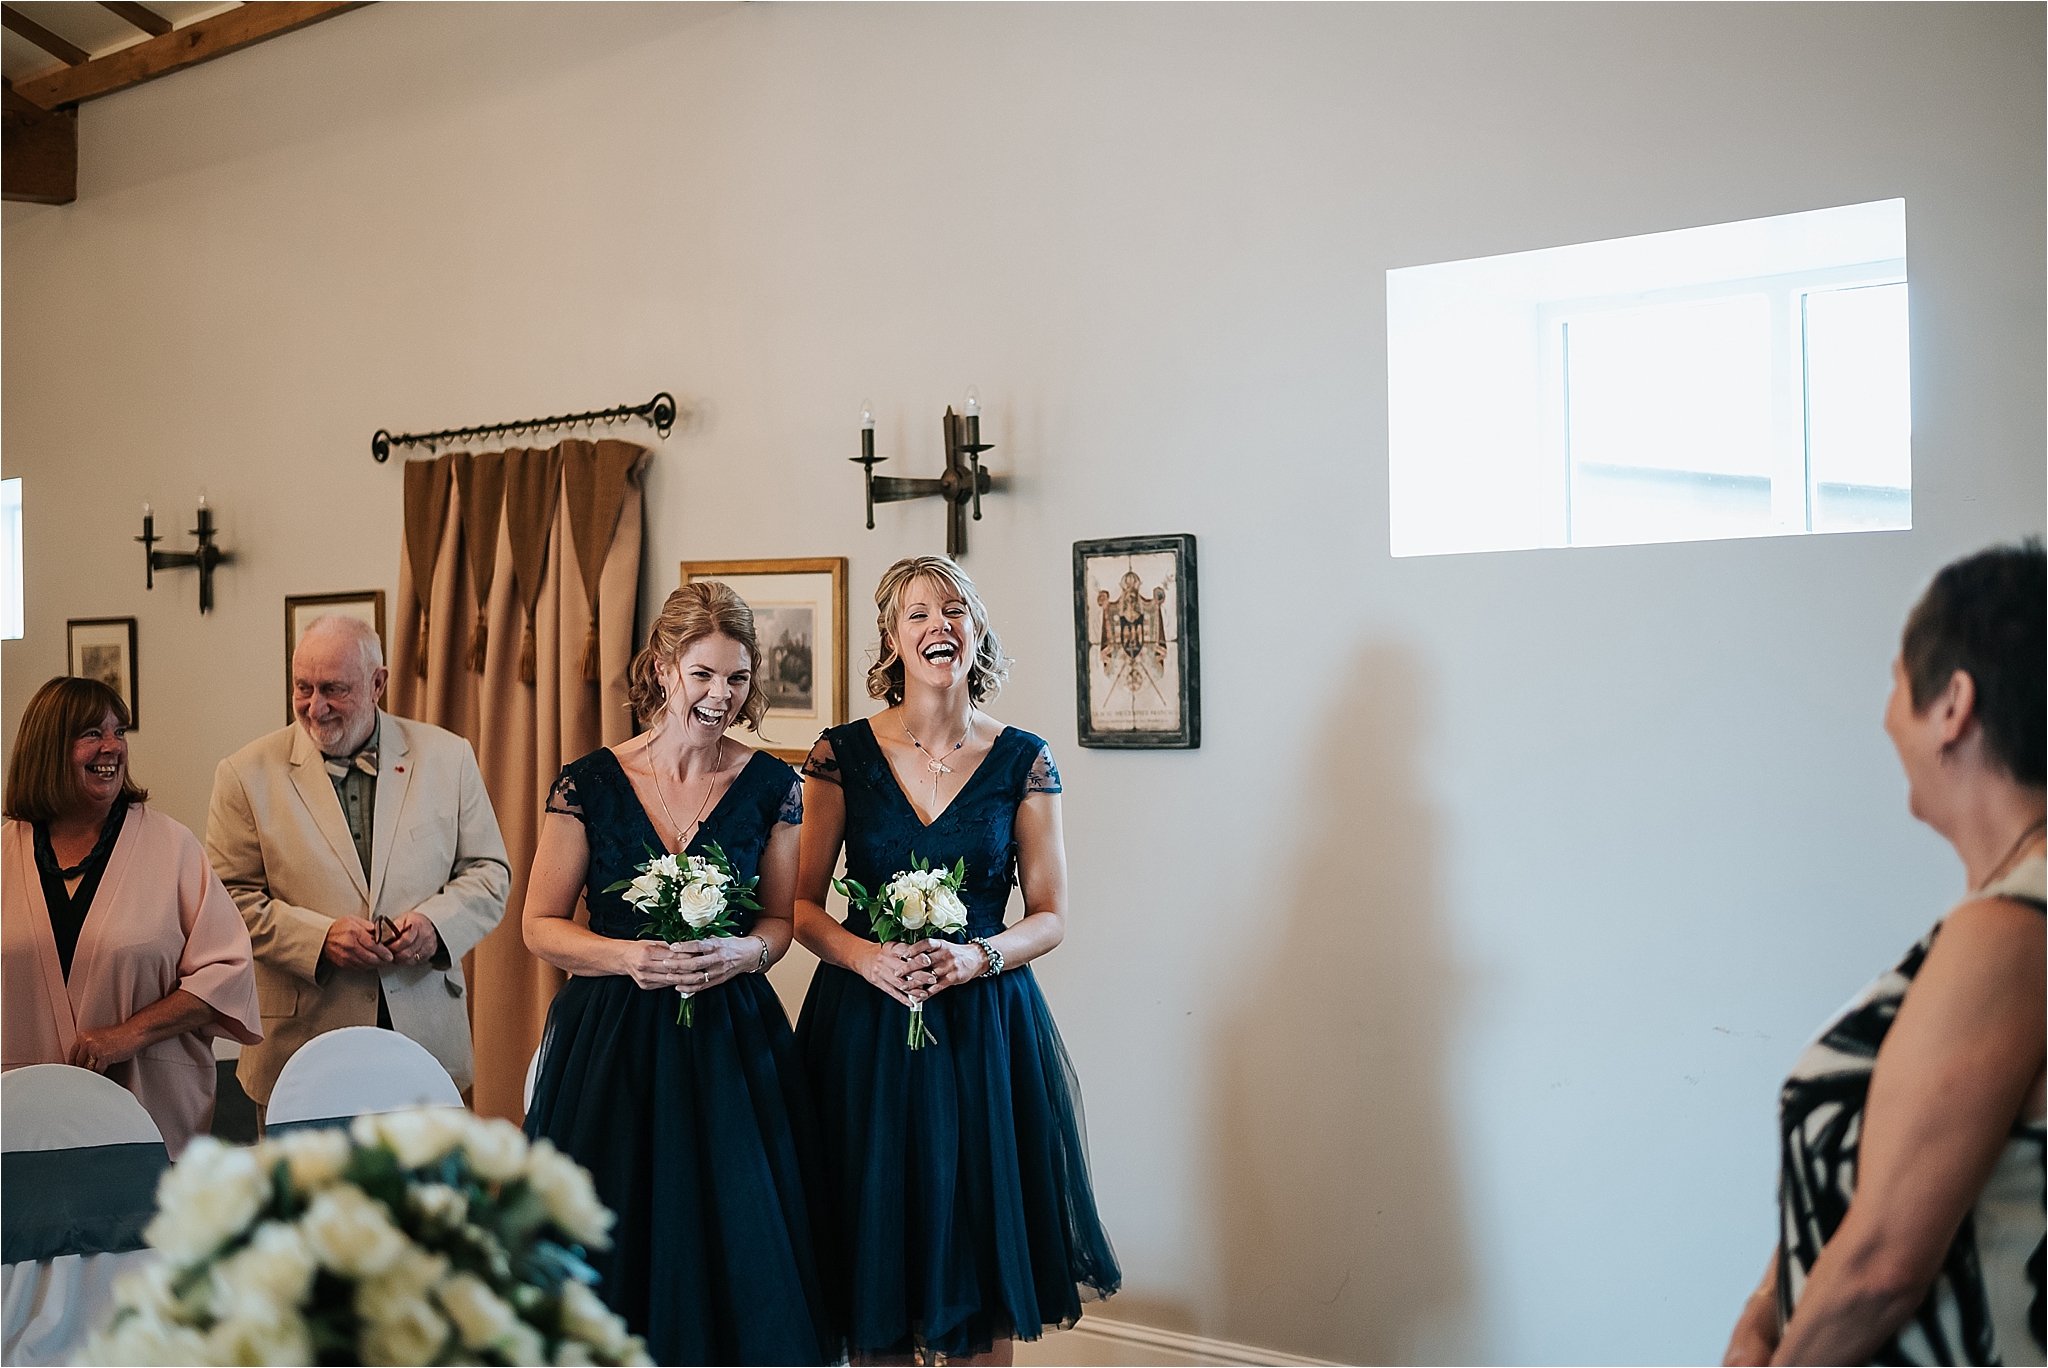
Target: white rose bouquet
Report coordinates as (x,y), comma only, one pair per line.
(918,903)
(427,1236)
(688,897)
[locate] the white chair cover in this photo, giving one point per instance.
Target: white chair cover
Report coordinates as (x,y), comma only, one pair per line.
(355,1070)
(49,1306)
(532,1073)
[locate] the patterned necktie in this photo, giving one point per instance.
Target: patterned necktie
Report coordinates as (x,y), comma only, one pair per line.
(365,760)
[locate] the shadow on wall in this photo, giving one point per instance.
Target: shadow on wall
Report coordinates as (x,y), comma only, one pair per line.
(1342,1232)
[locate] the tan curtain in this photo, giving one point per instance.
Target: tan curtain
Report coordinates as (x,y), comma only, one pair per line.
(528,633)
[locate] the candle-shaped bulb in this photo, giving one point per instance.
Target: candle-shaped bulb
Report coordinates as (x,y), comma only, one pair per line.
(973,402)
(147,511)
(867,416)
(202,496)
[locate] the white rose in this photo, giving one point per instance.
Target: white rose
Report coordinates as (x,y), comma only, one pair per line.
(144,1339)
(524,1345)
(277,1338)
(497,1150)
(148,1289)
(585,1317)
(407,1330)
(418,1136)
(911,909)
(570,1353)
(438,1204)
(407,1279)
(700,905)
(948,913)
(314,1158)
(211,1193)
(645,891)
(267,1276)
(351,1233)
(481,1317)
(703,871)
(635,1355)
(564,1188)
(667,866)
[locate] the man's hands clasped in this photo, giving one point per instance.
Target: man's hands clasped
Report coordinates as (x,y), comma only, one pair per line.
(355,943)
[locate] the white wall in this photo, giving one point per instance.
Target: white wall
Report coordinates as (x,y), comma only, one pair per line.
(1435,1008)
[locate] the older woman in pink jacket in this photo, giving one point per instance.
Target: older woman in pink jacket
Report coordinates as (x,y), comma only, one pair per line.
(120,951)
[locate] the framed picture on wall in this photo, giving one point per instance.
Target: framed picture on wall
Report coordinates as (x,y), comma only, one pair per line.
(300,611)
(800,622)
(1137,652)
(104,649)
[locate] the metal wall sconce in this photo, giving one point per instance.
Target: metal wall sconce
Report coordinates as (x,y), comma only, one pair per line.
(205,558)
(961,486)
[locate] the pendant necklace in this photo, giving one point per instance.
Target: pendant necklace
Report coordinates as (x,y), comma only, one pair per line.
(932,762)
(717,761)
(2011,855)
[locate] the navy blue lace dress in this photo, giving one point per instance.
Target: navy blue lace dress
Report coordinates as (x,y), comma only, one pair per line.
(959,1172)
(701,1137)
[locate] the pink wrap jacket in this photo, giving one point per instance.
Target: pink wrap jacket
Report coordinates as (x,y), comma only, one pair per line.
(160,921)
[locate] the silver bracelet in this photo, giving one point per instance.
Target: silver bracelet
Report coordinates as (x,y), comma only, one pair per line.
(762,967)
(995,957)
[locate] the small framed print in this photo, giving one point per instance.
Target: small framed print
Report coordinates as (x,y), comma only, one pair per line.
(1137,653)
(300,612)
(104,649)
(800,623)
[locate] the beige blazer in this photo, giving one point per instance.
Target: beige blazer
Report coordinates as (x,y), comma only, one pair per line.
(160,921)
(277,838)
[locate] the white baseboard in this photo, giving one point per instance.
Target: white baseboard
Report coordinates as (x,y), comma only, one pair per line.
(1098,1340)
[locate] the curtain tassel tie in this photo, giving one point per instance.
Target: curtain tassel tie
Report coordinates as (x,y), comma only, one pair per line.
(478,639)
(590,650)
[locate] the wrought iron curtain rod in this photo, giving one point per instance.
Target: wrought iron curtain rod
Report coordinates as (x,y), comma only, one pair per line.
(658,412)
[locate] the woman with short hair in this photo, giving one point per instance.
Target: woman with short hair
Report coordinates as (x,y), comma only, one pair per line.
(119,949)
(1911,1185)
(959,1172)
(697,1133)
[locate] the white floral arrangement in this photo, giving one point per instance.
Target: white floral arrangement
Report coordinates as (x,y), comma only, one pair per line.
(425,1236)
(685,898)
(917,903)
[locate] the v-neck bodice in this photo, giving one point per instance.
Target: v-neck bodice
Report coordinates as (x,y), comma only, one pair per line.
(622,837)
(884,830)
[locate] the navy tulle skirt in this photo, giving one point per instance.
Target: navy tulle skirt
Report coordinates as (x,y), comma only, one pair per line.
(959,1172)
(702,1140)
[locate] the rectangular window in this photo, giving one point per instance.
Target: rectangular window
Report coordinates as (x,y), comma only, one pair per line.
(1742,380)
(10,559)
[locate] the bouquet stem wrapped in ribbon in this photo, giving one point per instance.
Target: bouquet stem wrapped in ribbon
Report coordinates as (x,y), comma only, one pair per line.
(688,897)
(918,903)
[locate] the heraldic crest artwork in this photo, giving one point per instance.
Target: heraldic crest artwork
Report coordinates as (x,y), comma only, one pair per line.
(1137,659)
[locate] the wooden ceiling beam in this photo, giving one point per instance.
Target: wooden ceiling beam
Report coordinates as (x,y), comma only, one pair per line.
(141,16)
(38,152)
(180,48)
(49,42)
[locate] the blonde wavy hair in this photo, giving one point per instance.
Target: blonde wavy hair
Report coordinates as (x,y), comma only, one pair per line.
(990,667)
(699,609)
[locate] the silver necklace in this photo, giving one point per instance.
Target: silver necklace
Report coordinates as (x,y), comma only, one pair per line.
(717,763)
(932,762)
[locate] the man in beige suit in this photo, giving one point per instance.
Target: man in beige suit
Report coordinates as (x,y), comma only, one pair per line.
(366,859)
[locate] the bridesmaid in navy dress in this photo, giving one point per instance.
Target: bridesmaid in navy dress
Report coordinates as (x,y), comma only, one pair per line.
(700,1137)
(959,1174)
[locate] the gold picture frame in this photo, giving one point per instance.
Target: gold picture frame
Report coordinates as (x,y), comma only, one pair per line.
(301,609)
(795,603)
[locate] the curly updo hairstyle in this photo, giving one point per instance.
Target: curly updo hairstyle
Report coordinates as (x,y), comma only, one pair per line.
(1984,615)
(990,667)
(699,609)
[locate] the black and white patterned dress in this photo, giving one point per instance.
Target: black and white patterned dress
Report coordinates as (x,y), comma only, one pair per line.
(1986,1303)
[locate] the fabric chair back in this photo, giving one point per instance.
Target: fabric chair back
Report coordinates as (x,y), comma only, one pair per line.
(358,1070)
(79,1162)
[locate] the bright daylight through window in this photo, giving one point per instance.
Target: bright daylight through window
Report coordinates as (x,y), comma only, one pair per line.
(10,559)
(1740,380)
